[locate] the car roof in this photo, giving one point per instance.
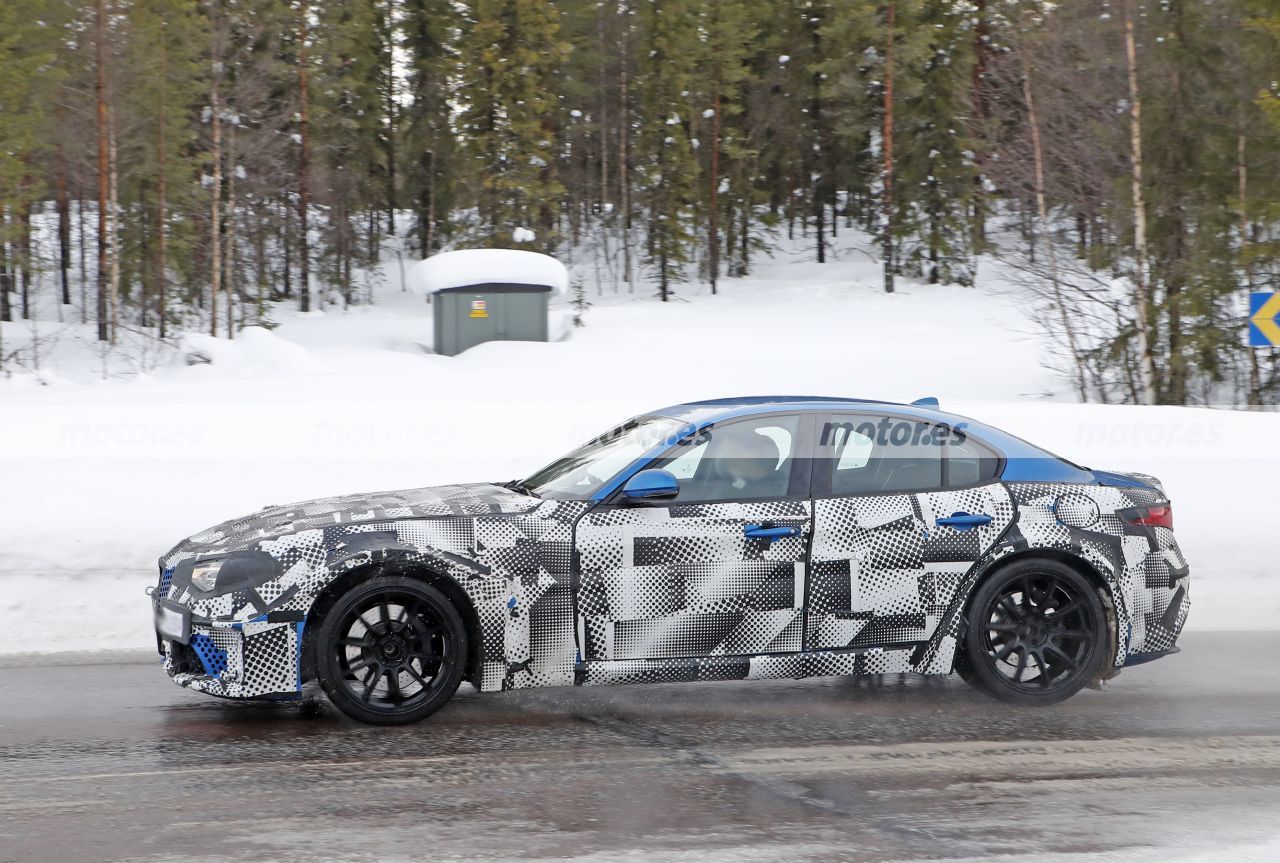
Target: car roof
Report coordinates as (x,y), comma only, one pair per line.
(712,410)
(1023,460)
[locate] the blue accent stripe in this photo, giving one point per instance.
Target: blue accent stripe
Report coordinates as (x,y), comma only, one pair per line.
(297,669)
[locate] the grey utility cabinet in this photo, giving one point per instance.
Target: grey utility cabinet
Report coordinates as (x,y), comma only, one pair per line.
(486,295)
(488,312)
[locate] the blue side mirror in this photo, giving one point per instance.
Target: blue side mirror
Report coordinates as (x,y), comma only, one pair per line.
(652,484)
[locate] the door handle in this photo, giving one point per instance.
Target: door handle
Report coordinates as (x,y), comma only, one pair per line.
(963,521)
(759,531)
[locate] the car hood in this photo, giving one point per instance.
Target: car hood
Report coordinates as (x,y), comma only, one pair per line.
(273,521)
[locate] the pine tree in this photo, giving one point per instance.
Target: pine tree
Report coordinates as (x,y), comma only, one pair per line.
(666,166)
(27,76)
(510,52)
(934,171)
(729,34)
(427,151)
(349,117)
(167,80)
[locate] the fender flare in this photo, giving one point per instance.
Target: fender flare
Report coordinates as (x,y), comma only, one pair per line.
(457,577)
(954,623)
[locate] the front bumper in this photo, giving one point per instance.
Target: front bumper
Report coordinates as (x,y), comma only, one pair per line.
(238,660)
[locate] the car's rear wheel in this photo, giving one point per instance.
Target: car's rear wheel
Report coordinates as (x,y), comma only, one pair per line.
(1037,633)
(391,650)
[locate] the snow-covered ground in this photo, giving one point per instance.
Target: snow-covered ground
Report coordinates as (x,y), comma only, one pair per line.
(97,478)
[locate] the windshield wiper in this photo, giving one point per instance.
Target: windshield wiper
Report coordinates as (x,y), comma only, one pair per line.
(519,486)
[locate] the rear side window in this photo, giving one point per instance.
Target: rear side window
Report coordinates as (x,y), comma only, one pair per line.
(970,463)
(870,454)
(877,454)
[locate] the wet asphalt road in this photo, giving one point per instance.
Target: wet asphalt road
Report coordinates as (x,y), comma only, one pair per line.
(112,762)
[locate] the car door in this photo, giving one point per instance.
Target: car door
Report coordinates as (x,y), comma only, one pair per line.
(903,508)
(717,571)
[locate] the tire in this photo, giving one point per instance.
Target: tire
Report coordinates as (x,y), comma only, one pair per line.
(391,651)
(1037,634)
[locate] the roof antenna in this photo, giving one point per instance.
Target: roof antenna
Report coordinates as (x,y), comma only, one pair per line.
(926,402)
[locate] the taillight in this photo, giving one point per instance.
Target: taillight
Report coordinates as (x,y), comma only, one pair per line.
(1153,516)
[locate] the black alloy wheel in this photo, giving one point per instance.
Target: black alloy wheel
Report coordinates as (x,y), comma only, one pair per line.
(391,651)
(1037,633)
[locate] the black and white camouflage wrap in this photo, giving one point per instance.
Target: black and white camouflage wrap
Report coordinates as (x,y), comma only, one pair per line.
(868,584)
(1146,576)
(508,552)
(684,582)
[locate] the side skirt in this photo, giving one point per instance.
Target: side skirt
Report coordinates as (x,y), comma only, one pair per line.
(785,666)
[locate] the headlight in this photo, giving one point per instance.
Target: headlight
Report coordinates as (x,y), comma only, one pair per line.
(225,572)
(204,575)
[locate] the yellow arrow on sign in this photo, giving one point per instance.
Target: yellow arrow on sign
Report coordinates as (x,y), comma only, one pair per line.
(1265,319)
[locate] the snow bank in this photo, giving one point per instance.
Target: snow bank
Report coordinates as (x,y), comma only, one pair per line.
(479,266)
(255,351)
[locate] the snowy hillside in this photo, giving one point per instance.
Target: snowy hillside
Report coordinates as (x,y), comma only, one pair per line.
(100,477)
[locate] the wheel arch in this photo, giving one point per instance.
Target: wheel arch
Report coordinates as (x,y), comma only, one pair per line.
(1100,582)
(420,570)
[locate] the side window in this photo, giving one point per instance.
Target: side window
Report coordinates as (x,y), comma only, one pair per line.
(872,454)
(969,462)
(744,460)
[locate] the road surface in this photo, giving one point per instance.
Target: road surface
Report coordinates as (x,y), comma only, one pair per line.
(1177,758)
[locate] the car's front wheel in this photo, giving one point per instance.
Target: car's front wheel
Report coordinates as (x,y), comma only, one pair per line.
(1037,633)
(391,650)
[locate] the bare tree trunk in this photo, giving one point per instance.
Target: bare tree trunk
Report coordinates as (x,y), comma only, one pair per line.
(84,263)
(215,204)
(6,285)
(260,266)
(285,217)
(162,201)
(978,71)
(304,190)
(392,117)
(229,270)
(604,107)
(1255,373)
(713,204)
(24,256)
(819,171)
(100,90)
(114,223)
(1042,209)
(624,114)
(430,242)
(886,145)
(64,229)
(1146,348)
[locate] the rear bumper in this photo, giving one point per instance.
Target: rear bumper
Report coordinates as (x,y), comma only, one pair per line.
(1161,603)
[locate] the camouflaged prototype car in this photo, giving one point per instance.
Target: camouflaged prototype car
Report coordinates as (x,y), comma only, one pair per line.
(734,539)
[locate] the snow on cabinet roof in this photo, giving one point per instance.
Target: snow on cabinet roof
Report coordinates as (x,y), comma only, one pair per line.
(465,267)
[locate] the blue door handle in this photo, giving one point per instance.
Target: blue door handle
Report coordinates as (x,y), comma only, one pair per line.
(963,521)
(759,531)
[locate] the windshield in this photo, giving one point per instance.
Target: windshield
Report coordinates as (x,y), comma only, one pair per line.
(582,472)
